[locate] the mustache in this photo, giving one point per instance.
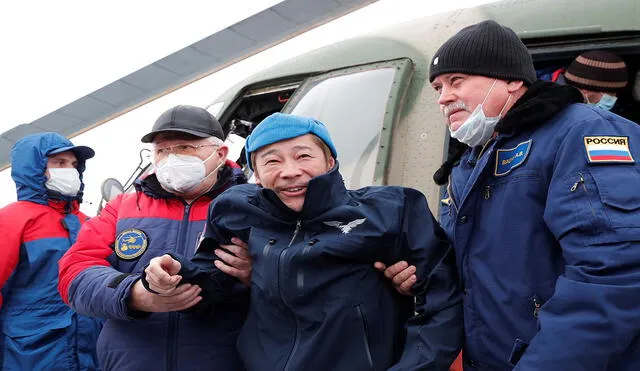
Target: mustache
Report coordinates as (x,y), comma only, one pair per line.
(455,106)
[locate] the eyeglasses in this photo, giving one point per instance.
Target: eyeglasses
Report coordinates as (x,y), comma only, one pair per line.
(181,149)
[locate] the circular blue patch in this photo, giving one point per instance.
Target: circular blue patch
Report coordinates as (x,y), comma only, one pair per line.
(130,244)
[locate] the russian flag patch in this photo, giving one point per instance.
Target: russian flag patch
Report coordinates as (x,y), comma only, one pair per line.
(608,149)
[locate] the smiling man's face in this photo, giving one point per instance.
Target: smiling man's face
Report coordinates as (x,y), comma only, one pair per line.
(287,166)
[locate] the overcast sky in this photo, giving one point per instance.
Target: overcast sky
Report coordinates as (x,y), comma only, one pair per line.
(57,52)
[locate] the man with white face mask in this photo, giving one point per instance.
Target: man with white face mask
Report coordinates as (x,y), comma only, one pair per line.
(36,231)
(99,276)
(542,213)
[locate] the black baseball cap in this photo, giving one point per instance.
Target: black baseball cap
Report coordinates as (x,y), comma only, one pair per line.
(192,120)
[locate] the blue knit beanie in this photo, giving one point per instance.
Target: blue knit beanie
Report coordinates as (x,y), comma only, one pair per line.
(280,126)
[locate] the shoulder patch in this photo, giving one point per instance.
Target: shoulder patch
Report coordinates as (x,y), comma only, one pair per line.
(608,149)
(509,159)
(130,244)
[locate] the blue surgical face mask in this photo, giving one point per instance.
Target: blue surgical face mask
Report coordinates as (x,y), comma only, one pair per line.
(606,102)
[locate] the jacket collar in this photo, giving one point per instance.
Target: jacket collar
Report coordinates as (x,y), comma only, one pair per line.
(536,107)
(324,192)
(229,175)
(65,206)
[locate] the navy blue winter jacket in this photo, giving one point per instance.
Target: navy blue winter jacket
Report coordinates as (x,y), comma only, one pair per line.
(545,223)
(317,302)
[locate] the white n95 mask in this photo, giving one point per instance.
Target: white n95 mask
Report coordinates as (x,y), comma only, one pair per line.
(182,173)
(477,129)
(64,180)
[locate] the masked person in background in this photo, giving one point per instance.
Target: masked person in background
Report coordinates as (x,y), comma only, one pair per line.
(99,275)
(39,331)
(601,76)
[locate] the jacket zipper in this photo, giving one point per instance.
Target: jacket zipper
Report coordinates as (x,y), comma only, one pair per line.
(280,259)
(295,233)
(172,340)
(575,186)
(487,192)
(536,305)
(577,183)
(366,336)
(450,192)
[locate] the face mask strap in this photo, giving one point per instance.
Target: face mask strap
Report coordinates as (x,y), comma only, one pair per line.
(213,171)
(204,162)
(489,92)
(177,155)
(505,105)
(211,155)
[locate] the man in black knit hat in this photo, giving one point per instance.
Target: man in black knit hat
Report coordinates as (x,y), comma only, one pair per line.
(542,210)
(601,76)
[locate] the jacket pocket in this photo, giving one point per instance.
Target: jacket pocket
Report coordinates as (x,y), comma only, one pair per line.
(40,343)
(365,335)
(621,202)
(519,347)
(37,319)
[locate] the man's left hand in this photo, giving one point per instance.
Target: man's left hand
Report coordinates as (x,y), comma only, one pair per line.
(238,263)
(401,274)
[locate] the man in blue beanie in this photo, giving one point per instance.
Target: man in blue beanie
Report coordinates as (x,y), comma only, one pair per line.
(317,302)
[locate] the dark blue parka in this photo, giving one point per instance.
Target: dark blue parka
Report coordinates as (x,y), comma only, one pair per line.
(545,222)
(39,331)
(317,302)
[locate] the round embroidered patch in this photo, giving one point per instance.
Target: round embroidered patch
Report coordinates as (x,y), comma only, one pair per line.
(130,244)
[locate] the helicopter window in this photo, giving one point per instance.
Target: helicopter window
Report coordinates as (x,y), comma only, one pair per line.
(358,106)
(247,111)
(254,106)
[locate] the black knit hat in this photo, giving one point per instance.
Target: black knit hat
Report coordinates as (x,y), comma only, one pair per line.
(597,70)
(486,49)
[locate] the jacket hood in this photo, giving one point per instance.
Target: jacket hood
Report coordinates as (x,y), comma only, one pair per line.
(537,106)
(29,158)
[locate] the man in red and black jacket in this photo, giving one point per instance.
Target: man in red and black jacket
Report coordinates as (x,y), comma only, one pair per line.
(99,276)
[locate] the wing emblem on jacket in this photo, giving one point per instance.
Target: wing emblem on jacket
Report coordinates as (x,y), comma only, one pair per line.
(346,227)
